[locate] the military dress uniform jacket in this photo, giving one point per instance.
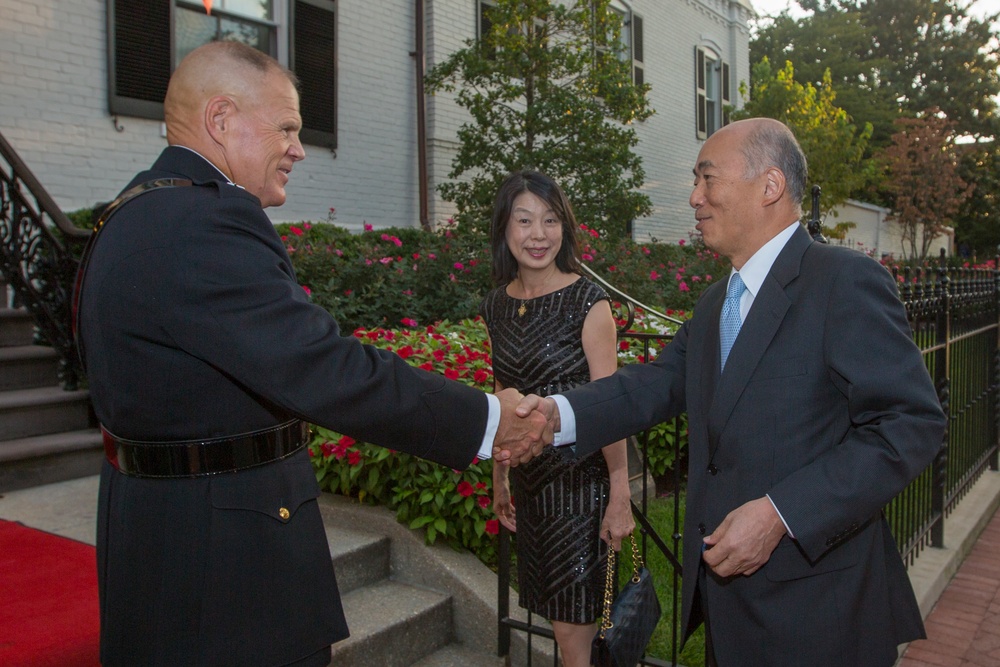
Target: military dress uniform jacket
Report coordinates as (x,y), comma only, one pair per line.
(193,327)
(824,405)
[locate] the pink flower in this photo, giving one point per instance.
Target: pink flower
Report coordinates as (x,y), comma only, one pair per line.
(459,266)
(464,489)
(493,526)
(653,275)
(367,227)
(431,255)
(684,287)
(295,230)
(587,257)
(408,321)
(386,260)
(682,242)
(645,251)
(307,290)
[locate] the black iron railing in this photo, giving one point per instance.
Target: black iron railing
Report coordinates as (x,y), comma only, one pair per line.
(39,255)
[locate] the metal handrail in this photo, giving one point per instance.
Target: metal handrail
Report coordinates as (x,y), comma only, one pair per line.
(39,259)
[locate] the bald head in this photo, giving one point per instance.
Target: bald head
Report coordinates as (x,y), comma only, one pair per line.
(238,108)
(217,68)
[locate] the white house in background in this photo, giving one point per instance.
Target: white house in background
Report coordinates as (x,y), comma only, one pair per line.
(83,83)
(878,236)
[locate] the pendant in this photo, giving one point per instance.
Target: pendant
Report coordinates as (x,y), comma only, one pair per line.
(522,310)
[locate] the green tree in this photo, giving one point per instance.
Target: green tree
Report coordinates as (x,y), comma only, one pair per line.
(894,58)
(546,89)
(978,227)
(833,145)
(923,178)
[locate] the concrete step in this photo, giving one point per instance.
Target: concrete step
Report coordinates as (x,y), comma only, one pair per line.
(46,459)
(455,655)
(29,412)
(359,558)
(28,367)
(393,625)
(16,327)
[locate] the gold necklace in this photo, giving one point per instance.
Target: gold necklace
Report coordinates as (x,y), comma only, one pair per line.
(522,310)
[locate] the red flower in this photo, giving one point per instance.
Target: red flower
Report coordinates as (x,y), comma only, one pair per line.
(464,489)
(484,501)
(295,230)
(307,290)
(346,441)
(479,485)
(354,457)
(481,376)
(405,352)
(653,275)
(408,322)
(624,345)
(427,366)
(493,526)
(328,449)
(451,373)
(438,355)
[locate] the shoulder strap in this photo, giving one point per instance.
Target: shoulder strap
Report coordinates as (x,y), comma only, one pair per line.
(109,211)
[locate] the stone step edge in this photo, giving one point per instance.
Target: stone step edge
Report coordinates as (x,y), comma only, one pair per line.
(27,398)
(53,443)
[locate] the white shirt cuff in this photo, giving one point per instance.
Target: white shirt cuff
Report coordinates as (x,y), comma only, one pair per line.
(492,424)
(567,422)
(787,528)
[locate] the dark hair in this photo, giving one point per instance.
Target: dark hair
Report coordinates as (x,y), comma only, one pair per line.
(773,144)
(543,187)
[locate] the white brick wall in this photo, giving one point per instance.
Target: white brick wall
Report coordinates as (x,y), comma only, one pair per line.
(53,109)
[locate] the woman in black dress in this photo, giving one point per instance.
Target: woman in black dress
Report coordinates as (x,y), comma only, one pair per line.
(552,329)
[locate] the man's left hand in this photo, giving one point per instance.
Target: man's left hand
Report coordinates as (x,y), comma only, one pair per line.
(744,540)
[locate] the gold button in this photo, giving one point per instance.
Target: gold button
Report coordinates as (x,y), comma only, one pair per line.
(283,513)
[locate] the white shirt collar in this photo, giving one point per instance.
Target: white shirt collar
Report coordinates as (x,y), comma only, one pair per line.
(757,267)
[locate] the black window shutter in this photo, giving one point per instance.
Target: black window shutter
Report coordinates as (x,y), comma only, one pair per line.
(701,101)
(726,96)
(138,57)
(314,61)
(637,59)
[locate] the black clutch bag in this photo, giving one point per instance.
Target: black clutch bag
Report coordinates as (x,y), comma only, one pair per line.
(629,621)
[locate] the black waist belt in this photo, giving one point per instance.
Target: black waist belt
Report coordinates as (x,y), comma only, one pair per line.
(194,458)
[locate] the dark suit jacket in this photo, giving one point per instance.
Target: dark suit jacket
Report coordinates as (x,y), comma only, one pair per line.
(194,326)
(825,405)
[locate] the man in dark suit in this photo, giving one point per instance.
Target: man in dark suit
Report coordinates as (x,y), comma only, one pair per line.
(820,413)
(205,359)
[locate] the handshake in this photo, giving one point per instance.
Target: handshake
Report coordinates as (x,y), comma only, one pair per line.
(527,424)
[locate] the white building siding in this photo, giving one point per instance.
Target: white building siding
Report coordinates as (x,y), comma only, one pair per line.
(53,72)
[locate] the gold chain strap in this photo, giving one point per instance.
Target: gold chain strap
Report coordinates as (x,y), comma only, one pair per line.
(609,581)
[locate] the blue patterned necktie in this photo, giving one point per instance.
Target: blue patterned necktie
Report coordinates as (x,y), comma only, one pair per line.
(730,322)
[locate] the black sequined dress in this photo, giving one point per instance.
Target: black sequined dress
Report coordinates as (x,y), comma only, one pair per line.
(537,348)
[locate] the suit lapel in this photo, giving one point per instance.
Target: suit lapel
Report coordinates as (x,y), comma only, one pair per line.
(758,330)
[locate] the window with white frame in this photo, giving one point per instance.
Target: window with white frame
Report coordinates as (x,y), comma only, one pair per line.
(631,38)
(148,38)
(712,92)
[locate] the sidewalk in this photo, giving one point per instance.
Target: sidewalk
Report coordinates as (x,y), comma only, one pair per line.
(963,629)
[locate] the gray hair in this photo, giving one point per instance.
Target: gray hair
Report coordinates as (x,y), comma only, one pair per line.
(773,145)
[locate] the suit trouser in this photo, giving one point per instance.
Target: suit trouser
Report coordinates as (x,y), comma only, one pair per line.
(702,591)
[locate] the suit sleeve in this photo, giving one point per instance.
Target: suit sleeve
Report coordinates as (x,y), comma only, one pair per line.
(896,422)
(260,329)
(632,399)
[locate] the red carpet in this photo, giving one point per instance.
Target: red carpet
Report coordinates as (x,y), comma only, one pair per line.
(48,600)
